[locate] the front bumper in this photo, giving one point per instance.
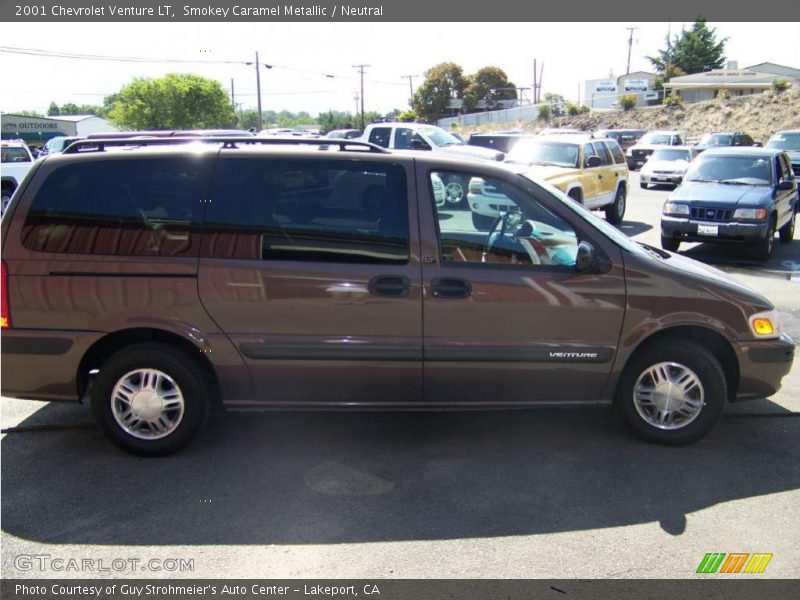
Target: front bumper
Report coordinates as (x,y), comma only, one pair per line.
(664,178)
(686,229)
(762,366)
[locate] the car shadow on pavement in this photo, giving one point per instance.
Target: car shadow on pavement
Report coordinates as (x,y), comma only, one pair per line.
(632,228)
(326,478)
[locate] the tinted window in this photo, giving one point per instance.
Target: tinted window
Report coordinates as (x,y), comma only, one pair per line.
(139,207)
(380,136)
(14,155)
(601,151)
(309,210)
(616,151)
(785,141)
(402,138)
(505,225)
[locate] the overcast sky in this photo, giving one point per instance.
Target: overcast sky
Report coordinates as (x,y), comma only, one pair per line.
(303,55)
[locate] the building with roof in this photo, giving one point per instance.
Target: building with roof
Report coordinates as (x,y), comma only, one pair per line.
(37,130)
(605,93)
(736,81)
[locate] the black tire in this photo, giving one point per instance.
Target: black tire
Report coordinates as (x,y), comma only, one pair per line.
(615,212)
(684,355)
(763,249)
(787,231)
(670,243)
(482,222)
(455,189)
(576,195)
(189,379)
(644,186)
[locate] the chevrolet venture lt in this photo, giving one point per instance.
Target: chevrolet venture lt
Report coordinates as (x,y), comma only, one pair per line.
(158,280)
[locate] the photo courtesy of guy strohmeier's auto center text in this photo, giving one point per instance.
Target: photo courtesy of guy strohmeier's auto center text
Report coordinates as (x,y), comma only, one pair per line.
(389,300)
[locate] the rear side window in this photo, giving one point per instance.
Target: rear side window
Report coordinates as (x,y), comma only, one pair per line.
(616,152)
(308,210)
(14,155)
(135,207)
(380,136)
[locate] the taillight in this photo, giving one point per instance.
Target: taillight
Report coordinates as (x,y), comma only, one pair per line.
(5,314)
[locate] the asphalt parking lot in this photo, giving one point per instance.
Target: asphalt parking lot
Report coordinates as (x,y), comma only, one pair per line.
(540,493)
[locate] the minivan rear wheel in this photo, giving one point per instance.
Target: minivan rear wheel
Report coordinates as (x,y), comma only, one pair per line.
(672,392)
(150,399)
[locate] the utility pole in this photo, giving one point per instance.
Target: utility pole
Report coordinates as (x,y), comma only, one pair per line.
(410,85)
(669,56)
(233,96)
(258,88)
(534,82)
(361,72)
(539,90)
(356,99)
(630,47)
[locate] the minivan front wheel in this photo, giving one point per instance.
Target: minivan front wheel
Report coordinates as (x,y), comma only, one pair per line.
(672,392)
(150,399)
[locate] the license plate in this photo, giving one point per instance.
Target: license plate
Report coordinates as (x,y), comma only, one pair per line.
(639,163)
(708,230)
(661,178)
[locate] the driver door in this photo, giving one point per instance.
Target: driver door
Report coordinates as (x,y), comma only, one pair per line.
(507,318)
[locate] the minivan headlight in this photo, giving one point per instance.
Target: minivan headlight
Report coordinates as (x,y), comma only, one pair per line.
(676,208)
(750,213)
(766,324)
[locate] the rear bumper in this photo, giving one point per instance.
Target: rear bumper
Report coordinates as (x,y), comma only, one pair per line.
(762,366)
(43,365)
(732,232)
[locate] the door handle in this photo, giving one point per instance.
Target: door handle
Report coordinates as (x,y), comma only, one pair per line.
(394,286)
(450,287)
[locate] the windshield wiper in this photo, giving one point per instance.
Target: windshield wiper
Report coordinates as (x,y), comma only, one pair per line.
(701,180)
(738,182)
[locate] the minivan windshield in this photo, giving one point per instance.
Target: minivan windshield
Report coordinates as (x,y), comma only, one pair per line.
(746,170)
(535,152)
(785,141)
(616,236)
(439,136)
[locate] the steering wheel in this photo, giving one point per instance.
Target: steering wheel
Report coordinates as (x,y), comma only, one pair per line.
(494,235)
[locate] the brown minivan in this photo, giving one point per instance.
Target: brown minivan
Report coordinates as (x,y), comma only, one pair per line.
(159,280)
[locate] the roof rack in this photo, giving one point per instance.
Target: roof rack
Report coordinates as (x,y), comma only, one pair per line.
(99,145)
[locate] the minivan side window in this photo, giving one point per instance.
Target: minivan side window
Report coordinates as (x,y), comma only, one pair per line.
(504,226)
(380,136)
(134,207)
(307,210)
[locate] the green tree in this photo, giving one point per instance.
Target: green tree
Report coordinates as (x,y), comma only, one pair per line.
(175,101)
(443,82)
(692,51)
(53,110)
(557,102)
(490,84)
(29,113)
(335,119)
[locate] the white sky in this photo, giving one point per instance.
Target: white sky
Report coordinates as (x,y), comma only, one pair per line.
(304,53)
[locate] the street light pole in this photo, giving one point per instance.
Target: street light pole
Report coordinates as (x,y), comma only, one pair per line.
(361,72)
(258,88)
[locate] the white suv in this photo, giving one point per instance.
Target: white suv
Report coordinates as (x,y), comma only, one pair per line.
(16,161)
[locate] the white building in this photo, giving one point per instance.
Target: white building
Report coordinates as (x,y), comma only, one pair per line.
(605,93)
(37,130)
(737,82)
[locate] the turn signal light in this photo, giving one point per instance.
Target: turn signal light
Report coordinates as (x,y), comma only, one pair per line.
(763,326)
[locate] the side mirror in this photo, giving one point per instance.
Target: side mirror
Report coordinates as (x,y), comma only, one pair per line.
(593,161)
(786,184)
(419,145)
(589,261)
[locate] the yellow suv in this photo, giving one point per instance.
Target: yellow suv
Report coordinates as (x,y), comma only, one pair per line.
(593,172)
